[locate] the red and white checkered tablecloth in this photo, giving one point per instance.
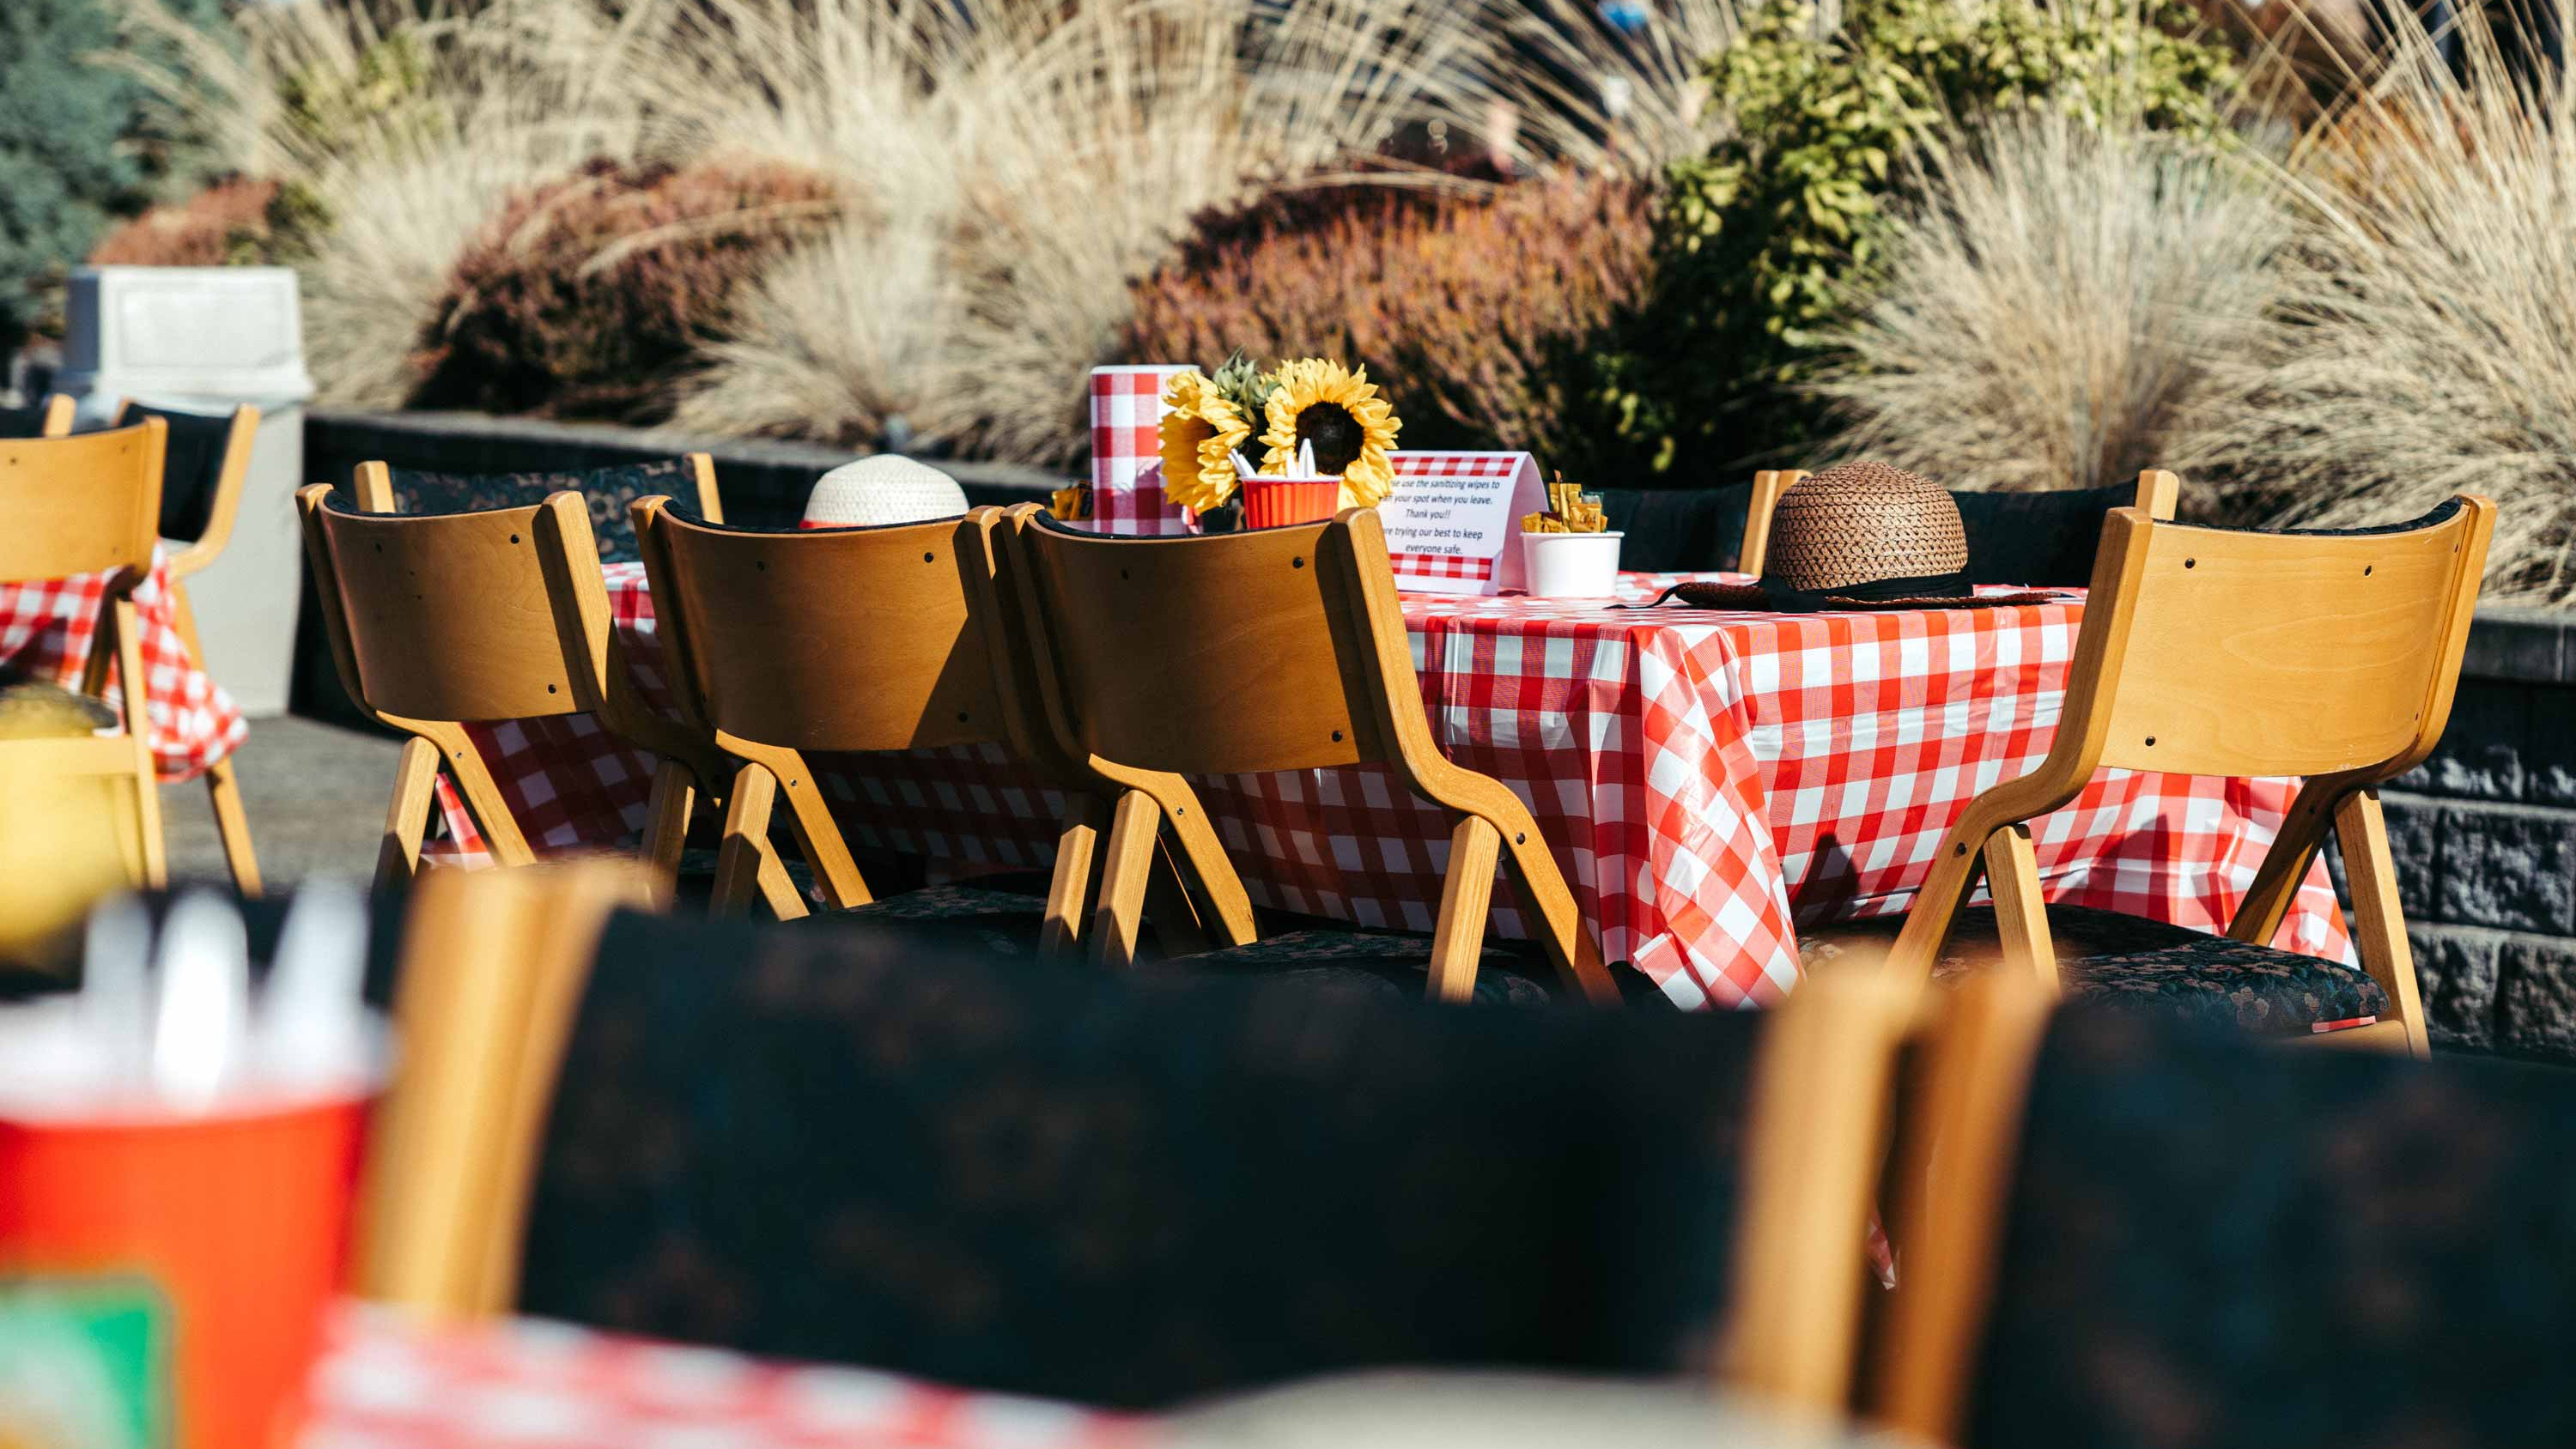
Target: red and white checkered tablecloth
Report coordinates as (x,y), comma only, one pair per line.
(1707,780)
(388,1383)
(48,626)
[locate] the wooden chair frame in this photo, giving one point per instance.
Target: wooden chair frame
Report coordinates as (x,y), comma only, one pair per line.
(374,485)
(223,782)
(895,694)
(2159,492)
(1361,635)
(62,530)
(570,665)
(2197,680)
(494,965)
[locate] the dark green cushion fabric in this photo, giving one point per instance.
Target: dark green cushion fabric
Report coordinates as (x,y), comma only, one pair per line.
(610,491)
(1678,530)
(2129,963)
(2037,539)
(826,1142)
(2214,1242)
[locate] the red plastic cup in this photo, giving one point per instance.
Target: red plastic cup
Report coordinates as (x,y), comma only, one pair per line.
(241,1218)
(1282,502)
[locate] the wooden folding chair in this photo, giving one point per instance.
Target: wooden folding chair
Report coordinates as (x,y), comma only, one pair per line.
(436,621)
(223,502)
(2331,656)
(1280,649)
(2158,494)
(798,641)
(91,505)
(499,970)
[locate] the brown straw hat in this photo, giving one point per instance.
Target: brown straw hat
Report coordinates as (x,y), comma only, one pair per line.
(1858,536)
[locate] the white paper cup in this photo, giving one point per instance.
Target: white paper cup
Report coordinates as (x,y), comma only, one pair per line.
(1572,565)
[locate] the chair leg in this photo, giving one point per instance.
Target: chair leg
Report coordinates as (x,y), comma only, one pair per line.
(138,726)
(1554,918)
(778,888)
(1466,896)
(407,818)
(1169,908)
(1229,911)
(2378,929)
(1069,888)
(666,827)
(1132,832)
(746,831)
(223,787)
(2021,917)
(232,827)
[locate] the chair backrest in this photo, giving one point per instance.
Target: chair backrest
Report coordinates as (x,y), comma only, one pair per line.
(2218,652)
(467,616)
(81,505)
(209,457)
(1277,649)
(611,493)
(828,639)
(2208,1241)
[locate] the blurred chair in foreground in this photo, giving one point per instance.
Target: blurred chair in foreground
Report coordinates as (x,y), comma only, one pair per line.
(830,1142)
(2122,1231)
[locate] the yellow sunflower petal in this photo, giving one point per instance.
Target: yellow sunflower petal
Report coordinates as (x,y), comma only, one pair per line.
(1302,384)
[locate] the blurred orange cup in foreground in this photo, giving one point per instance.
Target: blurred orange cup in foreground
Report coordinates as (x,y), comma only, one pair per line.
(241,1217)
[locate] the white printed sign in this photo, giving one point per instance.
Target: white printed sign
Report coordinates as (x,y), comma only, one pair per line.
(1451,519)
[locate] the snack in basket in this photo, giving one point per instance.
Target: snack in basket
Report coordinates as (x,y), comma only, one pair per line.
(1569,510)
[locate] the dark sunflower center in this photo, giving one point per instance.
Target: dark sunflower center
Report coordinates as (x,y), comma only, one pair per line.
(1335,434)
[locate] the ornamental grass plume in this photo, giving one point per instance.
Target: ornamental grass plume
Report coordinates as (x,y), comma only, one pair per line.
(2051,303)
(395,132)
(2425,342)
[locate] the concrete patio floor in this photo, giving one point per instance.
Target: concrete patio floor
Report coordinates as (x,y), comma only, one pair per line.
(315,795)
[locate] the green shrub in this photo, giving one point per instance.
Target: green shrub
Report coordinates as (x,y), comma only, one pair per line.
(77,147)
(1476,315)
(1766,239)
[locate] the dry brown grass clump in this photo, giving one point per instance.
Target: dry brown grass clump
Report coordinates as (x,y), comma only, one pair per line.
(2427,335)
(592,297)
(209,229)
(2050,308)
(1466,310)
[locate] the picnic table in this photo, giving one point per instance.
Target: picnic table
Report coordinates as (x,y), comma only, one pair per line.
(1708,780)
(47,628)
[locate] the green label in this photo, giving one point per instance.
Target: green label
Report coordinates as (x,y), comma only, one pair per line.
(84,1362)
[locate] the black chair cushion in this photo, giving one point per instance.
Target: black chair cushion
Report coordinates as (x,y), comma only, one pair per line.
(1380,962)
(610,491)
(2038,539)
(1678,530)
(827,1142)
(21,422)
(2212,1242)
(2129,963)
(194,464)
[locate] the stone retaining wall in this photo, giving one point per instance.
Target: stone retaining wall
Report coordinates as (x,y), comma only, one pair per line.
(2485,840)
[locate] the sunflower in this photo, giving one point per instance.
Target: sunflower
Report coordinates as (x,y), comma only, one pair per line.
(1340,412)
(1199,435)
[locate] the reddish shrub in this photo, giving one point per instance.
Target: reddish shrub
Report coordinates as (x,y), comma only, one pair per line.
(225,223)
(591,296)
(1475,314)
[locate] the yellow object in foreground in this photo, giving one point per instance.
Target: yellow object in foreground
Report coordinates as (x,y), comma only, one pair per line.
(59,848)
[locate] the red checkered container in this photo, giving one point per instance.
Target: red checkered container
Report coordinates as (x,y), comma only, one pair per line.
(1126,451)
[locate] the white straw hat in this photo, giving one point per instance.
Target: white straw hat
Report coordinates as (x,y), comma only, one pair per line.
(885,488)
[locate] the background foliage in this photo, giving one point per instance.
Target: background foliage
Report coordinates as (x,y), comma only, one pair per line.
(78,146)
